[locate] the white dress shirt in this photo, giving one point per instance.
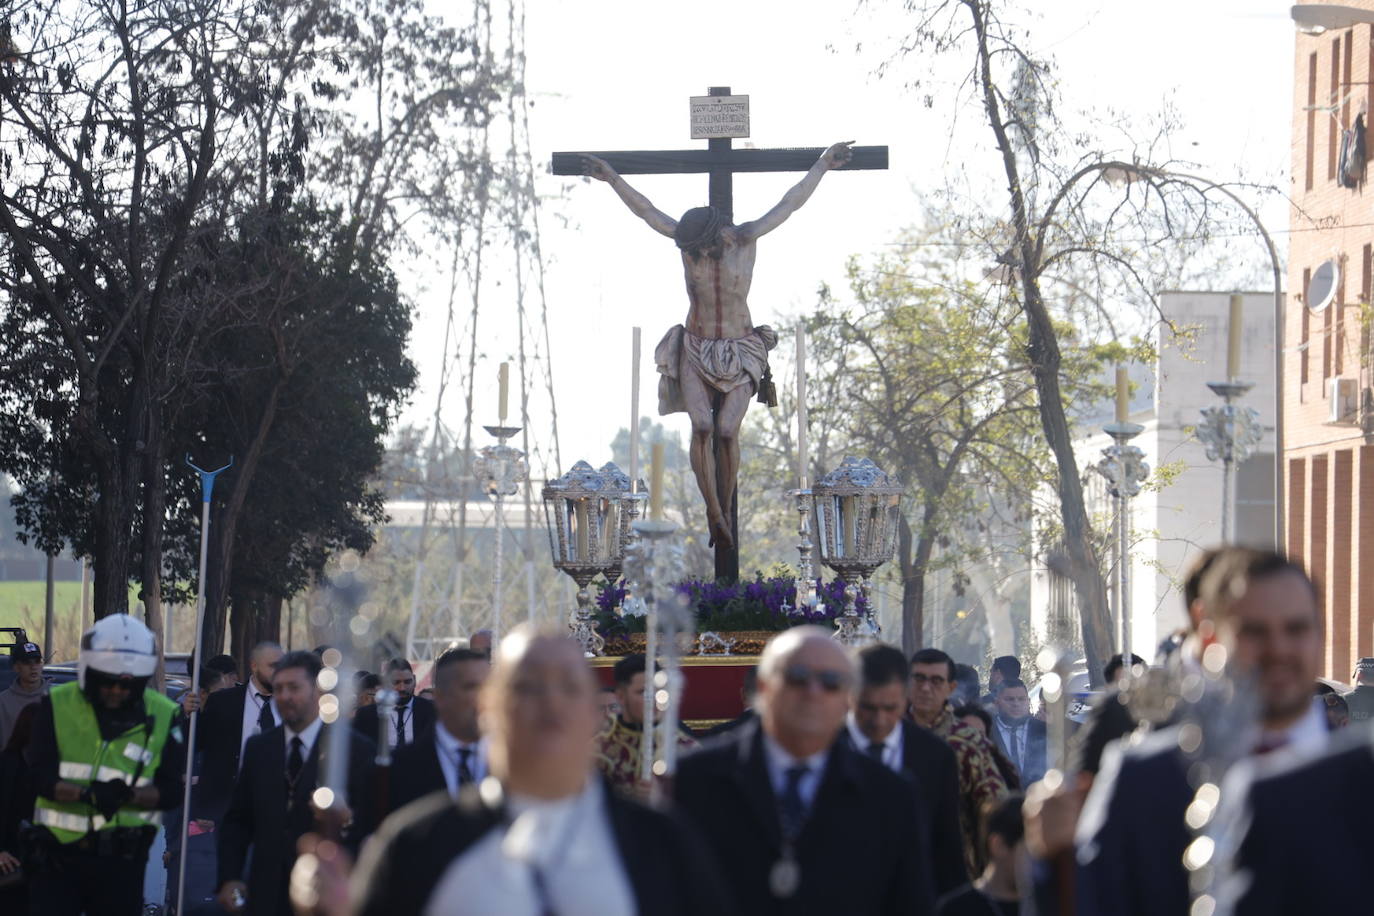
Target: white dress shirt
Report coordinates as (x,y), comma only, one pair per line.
(308,736)
(1014,740)
(448,747)
(569,842)
(252,708)
(408,723)
(1306,736)
(892,744)
(779,762)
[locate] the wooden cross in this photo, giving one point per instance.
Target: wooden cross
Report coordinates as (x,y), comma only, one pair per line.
(720,161)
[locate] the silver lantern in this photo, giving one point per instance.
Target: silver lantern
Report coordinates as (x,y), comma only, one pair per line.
(589,514)
(857,507)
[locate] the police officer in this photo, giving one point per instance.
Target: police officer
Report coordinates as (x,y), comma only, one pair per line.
(107,758)
(1361,699)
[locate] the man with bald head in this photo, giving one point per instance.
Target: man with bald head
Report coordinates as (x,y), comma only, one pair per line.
(230,718)
(799,821)
(542,834)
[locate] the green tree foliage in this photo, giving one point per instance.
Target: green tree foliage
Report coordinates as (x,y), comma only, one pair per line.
(934,384)
(200,203)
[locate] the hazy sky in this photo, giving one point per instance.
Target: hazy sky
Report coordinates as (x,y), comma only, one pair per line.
(618,74)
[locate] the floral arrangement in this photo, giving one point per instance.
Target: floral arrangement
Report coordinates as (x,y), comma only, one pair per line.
(758,604)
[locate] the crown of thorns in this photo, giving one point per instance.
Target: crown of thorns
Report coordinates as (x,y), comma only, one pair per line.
(698,228)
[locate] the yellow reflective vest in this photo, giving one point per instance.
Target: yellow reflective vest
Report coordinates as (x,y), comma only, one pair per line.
(85,757)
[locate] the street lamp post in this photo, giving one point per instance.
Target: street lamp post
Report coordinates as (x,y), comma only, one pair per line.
(1229,433)
(1124,467)
(501,468)
(1127,172)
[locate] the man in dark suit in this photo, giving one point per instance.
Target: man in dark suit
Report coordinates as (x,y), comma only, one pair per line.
(451,754)
(1018,736)
(1262,610)
(412,716)
(876,727)
(231,716)
(271,807)
(1307,843)
(799,821)
(545,834)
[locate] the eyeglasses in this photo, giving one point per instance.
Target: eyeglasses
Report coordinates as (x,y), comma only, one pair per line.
(800,676)
(934,680)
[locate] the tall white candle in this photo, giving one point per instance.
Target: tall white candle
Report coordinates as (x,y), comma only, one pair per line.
(656,483)
(1123,395)
(802,456)
(504,380)
(634,411)
(1233,329)
(580,516)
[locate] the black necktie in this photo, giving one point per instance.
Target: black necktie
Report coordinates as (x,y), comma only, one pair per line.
(464,770)
(265,720)
(875,750)
(400,726)
(295,760)
(791,808)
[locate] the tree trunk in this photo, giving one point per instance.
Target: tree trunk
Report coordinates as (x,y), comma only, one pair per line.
(915,562)
(221,554)
(255,616)
(1043,350)
(154,517)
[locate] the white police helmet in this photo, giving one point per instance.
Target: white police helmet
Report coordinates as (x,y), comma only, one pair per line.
(118,646)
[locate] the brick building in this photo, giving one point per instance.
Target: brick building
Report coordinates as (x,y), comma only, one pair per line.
(1329,424)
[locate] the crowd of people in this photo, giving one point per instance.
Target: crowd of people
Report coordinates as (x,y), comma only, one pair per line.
(860,781)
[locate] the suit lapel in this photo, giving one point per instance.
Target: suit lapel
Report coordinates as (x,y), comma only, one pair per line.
(751,778)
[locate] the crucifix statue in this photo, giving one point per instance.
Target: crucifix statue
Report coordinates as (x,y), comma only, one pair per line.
(713,363)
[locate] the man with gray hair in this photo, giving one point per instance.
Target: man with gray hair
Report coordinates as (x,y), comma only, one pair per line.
(782,800)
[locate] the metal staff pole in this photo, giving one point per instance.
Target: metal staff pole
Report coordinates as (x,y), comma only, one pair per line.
(207,488)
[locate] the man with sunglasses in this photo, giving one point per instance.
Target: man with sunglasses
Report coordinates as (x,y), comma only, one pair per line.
(782,801)
(980,782)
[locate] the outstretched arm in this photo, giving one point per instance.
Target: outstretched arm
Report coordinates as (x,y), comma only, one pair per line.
(833,158)
(639,205)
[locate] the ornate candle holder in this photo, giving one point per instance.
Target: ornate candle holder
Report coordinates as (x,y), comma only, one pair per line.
(858,506)
(806,575)
(588,520)
(653,561)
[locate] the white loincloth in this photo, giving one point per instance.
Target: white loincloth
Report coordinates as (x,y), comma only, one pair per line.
(723,364)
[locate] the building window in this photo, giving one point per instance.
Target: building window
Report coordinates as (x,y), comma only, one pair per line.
(1338,338)
(1333,137)
(1311,118)
(1345,87)
(1304,343)
(1366,266)
(1327,340)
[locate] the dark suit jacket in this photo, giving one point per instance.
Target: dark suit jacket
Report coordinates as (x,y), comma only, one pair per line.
(258,814)
(669,869)
(1131,835)
(860,851)
(1037,748)
(219,739)
(415,772)
(1309,846)
(365,721)
(930,764)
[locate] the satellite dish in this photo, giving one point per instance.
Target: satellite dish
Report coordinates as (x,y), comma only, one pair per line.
(1321,289)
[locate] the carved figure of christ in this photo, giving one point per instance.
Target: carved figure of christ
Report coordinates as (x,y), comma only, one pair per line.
(712,364)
